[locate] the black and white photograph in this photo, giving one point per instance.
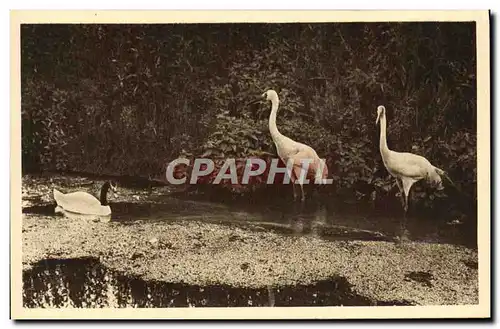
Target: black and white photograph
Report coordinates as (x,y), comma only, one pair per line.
(275,164)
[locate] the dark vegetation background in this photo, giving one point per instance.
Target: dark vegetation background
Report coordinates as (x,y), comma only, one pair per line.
(127,99)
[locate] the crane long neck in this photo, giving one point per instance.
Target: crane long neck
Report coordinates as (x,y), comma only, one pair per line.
(275,134)
(384,150)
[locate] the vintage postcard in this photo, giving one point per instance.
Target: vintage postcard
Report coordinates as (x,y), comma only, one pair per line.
(250,164)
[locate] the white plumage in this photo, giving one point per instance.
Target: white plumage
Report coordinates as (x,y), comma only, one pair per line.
(83,202)
(407,168)
(289,149)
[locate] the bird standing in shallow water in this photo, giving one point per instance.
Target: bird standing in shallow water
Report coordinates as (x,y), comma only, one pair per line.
(296,152)
(407,168)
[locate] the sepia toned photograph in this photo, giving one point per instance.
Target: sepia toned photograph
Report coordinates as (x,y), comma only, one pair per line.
(300,165)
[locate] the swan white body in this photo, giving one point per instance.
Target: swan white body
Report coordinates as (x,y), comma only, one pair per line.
(407,168)
(81,203)
(289,149)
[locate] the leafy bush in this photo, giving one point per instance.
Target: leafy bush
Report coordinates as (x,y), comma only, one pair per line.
(45,129)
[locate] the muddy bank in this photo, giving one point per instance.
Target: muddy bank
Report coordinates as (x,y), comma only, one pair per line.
(202,254)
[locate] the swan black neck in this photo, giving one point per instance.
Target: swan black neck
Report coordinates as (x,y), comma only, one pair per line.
(104,193)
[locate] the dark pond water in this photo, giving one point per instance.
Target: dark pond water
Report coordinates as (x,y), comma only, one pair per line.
(329,221)
(86,283)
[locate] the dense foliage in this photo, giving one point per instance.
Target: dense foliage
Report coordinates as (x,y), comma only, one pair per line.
(127,99)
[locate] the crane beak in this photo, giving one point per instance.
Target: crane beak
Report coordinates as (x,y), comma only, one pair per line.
(378,117)
(255,101)
(258,99)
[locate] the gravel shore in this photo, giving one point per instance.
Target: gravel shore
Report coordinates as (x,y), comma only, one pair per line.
(200,253)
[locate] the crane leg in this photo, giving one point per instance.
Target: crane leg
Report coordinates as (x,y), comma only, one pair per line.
(293,180)
(406,203)
(297,172)
(401,192)
(405,214)
(407,184)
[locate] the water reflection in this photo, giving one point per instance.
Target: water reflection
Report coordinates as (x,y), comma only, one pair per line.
(85,283)
(320,219)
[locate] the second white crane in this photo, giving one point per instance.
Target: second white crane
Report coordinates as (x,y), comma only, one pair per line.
(407,168)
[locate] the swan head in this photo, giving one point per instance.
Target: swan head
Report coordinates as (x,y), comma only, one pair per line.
(380,112)
(109,186)
(113,187)
(270,95)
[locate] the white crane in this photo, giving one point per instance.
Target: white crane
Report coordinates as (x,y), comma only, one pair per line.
(407,168)
(289,149)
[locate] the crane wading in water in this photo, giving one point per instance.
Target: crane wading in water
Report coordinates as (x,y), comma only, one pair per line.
(297,153)
(407,168)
